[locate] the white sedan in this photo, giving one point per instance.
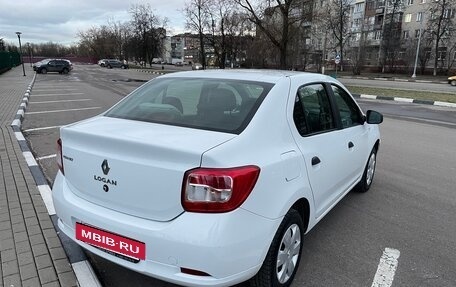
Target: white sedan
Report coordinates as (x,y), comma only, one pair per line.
(211,178)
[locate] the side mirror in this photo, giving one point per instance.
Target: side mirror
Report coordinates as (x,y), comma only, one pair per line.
(374,117)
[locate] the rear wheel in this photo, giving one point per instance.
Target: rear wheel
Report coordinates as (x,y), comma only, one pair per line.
(453,82)
(369,172)
(109,66)
(284,255)
(44,71)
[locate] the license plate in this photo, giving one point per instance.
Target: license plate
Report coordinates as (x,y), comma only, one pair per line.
(111,242)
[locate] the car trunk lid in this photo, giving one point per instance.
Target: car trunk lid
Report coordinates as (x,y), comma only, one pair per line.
(133,167)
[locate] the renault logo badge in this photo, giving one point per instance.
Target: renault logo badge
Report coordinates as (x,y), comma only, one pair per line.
(105,167)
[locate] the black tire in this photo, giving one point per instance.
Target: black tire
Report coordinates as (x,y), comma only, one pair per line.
(453,83)
(369,172)
(43,71)
(268,276)
(123,67)
(65,71)
(109,66)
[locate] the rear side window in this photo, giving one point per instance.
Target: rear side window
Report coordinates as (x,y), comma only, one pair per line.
(212,104)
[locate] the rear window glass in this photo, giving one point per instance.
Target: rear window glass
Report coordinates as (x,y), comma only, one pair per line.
(211,104)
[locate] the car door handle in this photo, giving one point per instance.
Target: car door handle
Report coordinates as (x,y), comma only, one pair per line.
(315,160)
(350,145)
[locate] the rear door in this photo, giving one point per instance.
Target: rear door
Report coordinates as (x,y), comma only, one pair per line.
(322,144)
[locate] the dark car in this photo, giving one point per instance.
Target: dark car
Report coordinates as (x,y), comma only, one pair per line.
(115,64)
(61,66)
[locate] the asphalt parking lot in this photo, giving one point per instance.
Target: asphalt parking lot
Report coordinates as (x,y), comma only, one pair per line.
(410,207)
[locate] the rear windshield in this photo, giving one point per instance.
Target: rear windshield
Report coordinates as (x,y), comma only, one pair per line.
(211,104)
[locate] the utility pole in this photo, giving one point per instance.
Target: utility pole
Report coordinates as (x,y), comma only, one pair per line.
(20,50)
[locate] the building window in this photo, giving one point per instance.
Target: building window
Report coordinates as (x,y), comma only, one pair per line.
(417,33)
(448,13)
(419,16)
(378,35)
(358,7)
(422,1)
(405,34)
(408,18)
(409,2)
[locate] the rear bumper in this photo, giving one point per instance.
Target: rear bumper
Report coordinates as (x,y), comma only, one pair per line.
(230,247)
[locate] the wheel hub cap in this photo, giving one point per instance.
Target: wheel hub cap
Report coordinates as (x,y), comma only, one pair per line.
(288,253)
(370,169)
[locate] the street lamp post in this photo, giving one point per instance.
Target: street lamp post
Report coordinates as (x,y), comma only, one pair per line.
(418,47)
(20,50)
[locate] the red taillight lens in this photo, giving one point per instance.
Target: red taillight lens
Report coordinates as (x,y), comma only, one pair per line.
(218,189)
(59,156)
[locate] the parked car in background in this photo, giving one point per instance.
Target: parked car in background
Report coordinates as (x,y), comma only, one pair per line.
(452,80)
(197,66)
(102,63)
(187,180)
(115,64)
(61,66)
(178,64)
(39,63)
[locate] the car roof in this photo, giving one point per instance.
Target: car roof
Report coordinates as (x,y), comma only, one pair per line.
(270,76)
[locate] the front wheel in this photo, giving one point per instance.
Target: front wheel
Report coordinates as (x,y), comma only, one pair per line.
(453,82)
(43,71)
(65,71)
(284,255)
(369,172)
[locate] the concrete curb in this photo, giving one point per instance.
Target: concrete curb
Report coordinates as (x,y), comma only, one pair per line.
(81,266)
(406,100)
(150,72)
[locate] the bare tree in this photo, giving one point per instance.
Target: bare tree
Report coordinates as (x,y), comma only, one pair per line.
(238,36)
(145,28)
(197,17)
(440,26)
(338,19)
(274,19)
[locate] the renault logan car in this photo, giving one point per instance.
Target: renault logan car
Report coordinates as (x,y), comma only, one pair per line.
(211,178)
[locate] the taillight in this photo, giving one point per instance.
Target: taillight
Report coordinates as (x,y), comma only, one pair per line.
(59,156)
(217,189)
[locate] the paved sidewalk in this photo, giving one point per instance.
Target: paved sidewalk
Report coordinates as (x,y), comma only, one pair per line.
(31,253)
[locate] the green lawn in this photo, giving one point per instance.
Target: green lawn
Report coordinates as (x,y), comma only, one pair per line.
(419,95)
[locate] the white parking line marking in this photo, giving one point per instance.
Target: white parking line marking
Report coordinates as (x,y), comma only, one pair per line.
(40,129)
(386,268)
(53,89)
(61,101)
(59,111)
(49,95)
(46,157)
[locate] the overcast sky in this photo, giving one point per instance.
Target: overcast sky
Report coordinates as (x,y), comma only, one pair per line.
(60,20)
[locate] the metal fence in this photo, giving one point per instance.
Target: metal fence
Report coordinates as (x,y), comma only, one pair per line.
(9,60)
